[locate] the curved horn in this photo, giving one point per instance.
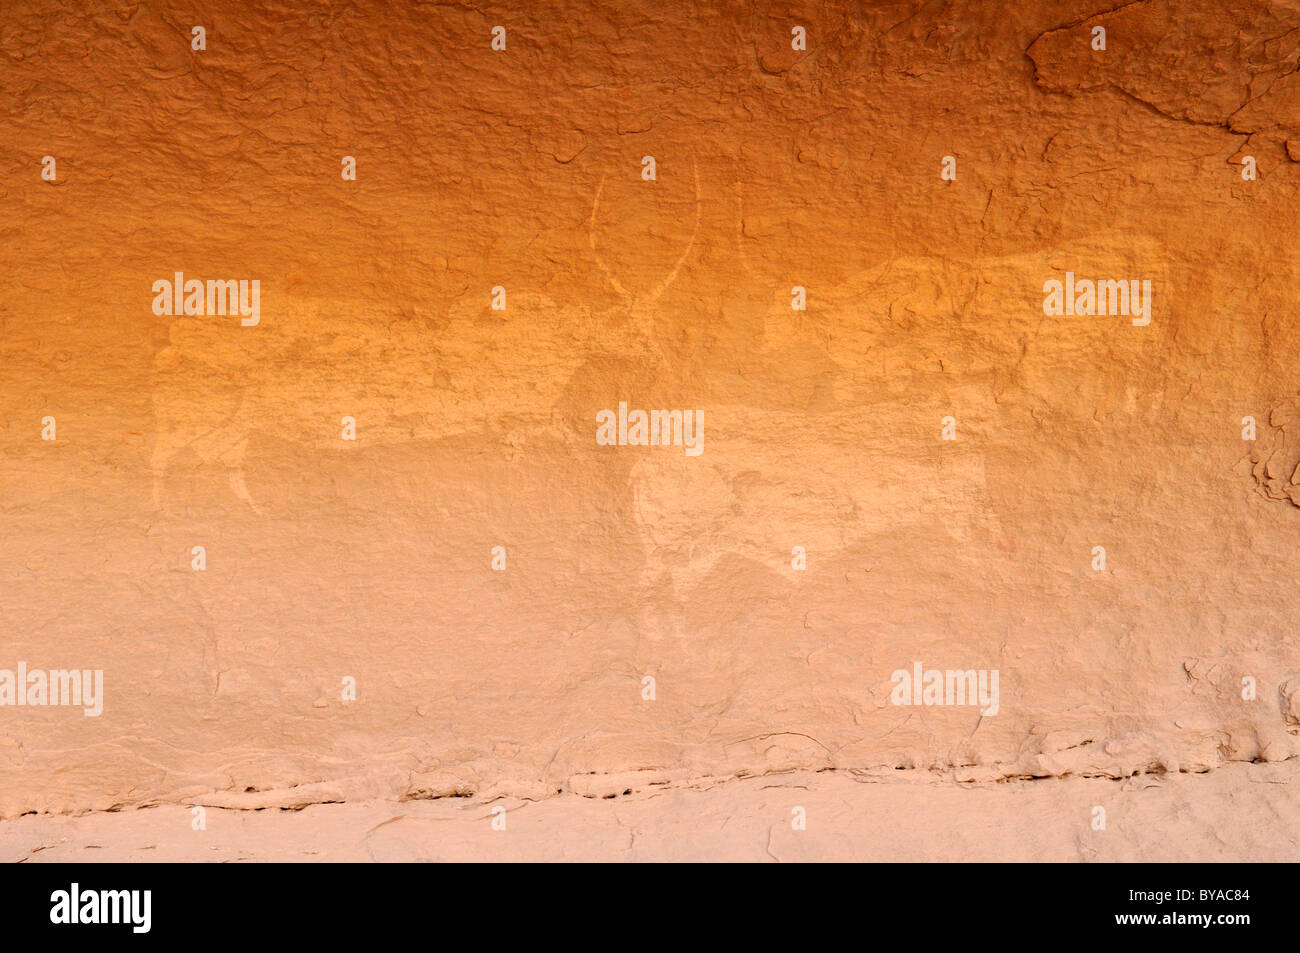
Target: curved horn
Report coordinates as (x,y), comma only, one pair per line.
(591,236)
(677,267)
(672,275)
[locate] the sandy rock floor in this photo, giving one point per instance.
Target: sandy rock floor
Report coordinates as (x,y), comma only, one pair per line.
(1238,812)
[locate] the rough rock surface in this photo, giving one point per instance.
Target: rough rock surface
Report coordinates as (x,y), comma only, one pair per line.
(372,559)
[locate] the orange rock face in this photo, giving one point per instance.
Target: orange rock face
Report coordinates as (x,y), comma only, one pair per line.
(352,529)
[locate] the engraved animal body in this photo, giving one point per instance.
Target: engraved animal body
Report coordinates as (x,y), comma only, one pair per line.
(402,381)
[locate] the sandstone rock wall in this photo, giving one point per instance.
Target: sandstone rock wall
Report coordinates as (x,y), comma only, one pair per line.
(522,169)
